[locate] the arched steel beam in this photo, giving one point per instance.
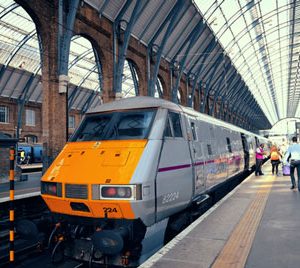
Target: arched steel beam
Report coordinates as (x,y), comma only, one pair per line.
(100,11)
(205,54)
(151,20)
(139,5)
(159,90)
(88,102)
(71,97)
(190,100)
(134,77)
(65,33)
(217,92)
(99,68)
(79,57)
(197,31)
(8,9)
(212,63)
(206,93)
(183,45)
(222,79)
(174,17)
(15,51)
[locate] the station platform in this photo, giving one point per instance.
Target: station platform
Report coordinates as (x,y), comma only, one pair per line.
(23,189)
(256,225)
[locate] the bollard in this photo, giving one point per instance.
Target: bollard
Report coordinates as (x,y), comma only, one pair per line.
(11,207)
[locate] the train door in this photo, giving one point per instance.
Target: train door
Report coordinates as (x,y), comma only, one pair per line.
(196,156)
(246,151)
(174,186)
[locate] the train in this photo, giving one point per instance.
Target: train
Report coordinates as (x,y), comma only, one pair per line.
(33,153)
(133,172)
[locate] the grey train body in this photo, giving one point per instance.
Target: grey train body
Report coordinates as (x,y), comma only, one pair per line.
(187,154)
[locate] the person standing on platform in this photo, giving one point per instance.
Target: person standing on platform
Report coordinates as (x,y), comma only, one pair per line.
(259,155)
(293,153)
(275,156)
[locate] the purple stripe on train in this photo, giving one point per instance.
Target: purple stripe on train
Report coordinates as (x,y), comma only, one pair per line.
(194,164)
(174,167)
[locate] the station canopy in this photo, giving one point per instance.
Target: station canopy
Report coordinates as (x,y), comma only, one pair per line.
(244,52)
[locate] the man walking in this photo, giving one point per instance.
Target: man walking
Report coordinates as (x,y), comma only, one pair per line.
(293,152)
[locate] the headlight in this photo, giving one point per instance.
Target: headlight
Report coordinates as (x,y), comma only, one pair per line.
(120,192)
(51,188)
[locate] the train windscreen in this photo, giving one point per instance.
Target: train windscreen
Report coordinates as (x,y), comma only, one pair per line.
(125,125)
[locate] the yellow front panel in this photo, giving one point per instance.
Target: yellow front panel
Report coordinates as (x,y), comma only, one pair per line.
(88,163)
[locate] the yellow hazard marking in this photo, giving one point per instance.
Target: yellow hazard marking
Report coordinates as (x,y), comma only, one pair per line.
(11,255)
(11,235)
(11,194)
(11,215)
(236,250)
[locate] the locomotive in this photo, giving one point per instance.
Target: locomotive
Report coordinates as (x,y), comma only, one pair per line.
(131,173)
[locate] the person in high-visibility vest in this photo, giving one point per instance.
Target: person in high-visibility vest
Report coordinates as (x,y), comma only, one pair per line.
(22,157)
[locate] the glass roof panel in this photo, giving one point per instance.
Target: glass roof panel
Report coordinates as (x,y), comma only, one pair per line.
(256,36)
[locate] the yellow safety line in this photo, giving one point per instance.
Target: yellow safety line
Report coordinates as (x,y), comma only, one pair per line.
(237,248)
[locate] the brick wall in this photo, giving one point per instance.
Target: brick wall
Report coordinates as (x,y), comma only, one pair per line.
(10,128)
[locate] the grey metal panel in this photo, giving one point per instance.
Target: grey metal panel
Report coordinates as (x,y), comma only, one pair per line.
(148,11)
(95,3)
(96,102)
(113,8)
(37,95)
(77,98)
(13,76)
(135,103)
(85,96)
(160,15)
(177,38)
(17,89)
(128,12)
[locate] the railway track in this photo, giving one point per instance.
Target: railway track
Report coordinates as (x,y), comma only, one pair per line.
(33,253)
(27,210)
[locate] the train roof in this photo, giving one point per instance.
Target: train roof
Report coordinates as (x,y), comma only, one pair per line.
(142,102)
(135,103)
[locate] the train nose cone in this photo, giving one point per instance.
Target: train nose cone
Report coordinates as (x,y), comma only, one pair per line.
(108,242)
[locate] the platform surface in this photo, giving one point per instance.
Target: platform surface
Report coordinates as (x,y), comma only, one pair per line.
(23,189)
(256,225)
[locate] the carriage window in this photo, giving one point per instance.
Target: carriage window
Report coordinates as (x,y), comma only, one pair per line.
(229,145)
(209,150)
(175,119)
(115,126)
(193,131)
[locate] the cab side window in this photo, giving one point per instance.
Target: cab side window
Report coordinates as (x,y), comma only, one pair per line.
(175,119)
(173,126)
(168,130)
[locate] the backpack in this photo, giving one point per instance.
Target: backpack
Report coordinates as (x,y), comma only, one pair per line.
(274,156)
